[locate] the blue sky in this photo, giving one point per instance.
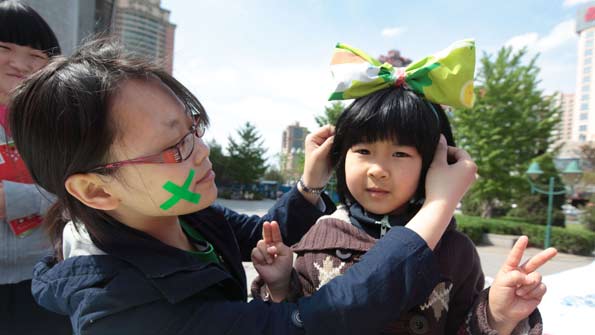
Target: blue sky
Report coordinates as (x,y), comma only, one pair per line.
(267,61)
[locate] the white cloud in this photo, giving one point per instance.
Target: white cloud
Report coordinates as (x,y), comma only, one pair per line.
(393,31)
(560,35)
(570,3)
(557,60)
(520,41)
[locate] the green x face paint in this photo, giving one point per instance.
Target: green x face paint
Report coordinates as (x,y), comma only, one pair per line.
(180,192)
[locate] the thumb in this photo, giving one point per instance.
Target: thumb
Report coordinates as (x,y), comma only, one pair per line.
(441,151)
(283,249)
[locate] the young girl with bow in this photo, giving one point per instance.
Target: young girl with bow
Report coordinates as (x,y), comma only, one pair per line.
(383,149)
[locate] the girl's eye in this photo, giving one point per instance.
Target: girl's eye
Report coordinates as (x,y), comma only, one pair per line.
(362,151)
(4,47)
(38,56)
(400,154)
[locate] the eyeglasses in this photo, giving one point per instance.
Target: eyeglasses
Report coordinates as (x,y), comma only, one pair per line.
(174,154)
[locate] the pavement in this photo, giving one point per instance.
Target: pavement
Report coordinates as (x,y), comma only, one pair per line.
(491,257)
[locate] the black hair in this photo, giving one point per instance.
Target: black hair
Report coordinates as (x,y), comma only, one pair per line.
(390,114)
(62,125)
(23,26)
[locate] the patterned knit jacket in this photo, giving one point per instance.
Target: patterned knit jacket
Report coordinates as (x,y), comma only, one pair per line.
(457,305)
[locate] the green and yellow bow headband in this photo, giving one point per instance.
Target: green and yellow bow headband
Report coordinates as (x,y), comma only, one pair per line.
(444,78)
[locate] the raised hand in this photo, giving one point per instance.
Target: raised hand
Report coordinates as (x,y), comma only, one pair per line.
(517,289)
(273,261)
(317,166)
(445,186)
(449,182)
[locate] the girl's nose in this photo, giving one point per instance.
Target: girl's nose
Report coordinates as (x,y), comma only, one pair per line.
(378,171)
(20,64)
(201,150)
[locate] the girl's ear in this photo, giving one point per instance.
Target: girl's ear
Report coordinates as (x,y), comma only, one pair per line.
(89,189)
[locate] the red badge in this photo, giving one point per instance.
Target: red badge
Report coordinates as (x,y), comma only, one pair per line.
(23,226)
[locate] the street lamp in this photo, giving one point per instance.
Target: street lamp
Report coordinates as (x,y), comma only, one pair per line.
(570,176)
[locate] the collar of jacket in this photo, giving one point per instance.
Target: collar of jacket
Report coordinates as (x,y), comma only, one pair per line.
(371,223)
(173,270)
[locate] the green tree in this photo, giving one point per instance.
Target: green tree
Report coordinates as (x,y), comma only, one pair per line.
(508,127)
(292,173)
(331,114)
(272,173)
(246,157)
(220,163)
(587,152)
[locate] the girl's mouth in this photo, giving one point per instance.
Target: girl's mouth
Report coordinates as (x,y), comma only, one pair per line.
(374,191)
(207,177)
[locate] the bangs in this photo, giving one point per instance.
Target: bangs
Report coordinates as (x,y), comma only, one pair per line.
(395,115)
(21,25)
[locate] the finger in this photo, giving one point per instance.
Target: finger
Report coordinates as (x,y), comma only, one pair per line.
(440,153)
(514,279)
(531,281)
(537,293)
(262,248)
(257,257)
(516,253)
(275,233)
(283,250)
(268,258)
(458,154)
(272,251)
(267,235)
(325,147)
(322,133)
(538,260)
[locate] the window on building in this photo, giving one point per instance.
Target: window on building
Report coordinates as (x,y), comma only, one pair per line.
(587,69)
(582,138)
(585,88)
(588,52)
(584,116)
(582,128)
(584,97)
(590,34)
(586,79)
(589,43)
(584,107)
(588,61)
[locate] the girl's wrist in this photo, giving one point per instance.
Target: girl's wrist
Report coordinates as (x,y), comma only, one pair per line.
(501,325)
(278,292)
(305,188)
(312,182)
(310,197)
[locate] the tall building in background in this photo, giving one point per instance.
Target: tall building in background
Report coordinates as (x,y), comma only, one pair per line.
(292,145)
(563,133)
(144,28)
(74,20)
(583,126)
